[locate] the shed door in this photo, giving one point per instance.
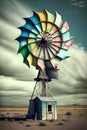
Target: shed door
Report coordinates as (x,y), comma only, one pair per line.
(49,108)
(50,112)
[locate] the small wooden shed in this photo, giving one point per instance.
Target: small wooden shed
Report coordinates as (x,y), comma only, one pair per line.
(43,108)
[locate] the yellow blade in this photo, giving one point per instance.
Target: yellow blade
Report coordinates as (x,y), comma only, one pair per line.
(42,16)
(31,40)
(32,60)
(34,48)
(54,30)
(50,18)
(33,45)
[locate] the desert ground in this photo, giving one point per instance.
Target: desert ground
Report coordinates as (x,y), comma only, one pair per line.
(76,119)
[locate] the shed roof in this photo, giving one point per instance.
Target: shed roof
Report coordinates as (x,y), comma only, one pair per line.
(47,99)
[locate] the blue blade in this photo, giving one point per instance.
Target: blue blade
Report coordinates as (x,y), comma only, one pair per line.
(66,36)
(33,23)
(24,32)
(22,44)
(30,26)
(63,54)
(36,20)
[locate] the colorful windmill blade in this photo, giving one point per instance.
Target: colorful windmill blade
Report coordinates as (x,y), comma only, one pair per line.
(43,38)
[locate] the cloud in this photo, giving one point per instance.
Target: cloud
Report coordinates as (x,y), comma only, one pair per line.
(15,91)
(16,79)
(72,99)
(12,84)
(78,3)
(12,64)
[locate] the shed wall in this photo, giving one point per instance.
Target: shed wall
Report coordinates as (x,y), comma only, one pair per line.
(44,110)
(48,115)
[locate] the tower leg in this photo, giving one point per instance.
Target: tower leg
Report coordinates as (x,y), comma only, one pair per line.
(43,89)
(40,89)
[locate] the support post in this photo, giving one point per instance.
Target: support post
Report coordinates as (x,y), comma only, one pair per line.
(43,88)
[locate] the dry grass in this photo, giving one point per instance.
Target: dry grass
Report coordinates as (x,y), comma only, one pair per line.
(61,110)
(74,123)
(69,118)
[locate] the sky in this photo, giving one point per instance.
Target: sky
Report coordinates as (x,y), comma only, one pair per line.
(16,79)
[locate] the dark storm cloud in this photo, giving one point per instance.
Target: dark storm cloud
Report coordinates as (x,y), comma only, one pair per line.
(12,10)
(12,64)
(5,44)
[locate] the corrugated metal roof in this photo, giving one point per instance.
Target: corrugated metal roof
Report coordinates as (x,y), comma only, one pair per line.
(47,99)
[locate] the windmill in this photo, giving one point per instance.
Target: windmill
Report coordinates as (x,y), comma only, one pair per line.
(43,43)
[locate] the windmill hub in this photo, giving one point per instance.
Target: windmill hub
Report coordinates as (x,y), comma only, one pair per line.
(44,39)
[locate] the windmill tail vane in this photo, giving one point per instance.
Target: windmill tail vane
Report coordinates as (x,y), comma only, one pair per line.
(44,42)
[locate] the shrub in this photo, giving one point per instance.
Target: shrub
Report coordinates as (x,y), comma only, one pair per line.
(21,122)
(42,124)
(6,119)
(52,120)
(68,116)
(65,119)
(61,123)
(11,120)
(68,113)
(81,114)
(28,125)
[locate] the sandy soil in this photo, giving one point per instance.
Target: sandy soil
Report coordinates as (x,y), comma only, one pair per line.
(75,122)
